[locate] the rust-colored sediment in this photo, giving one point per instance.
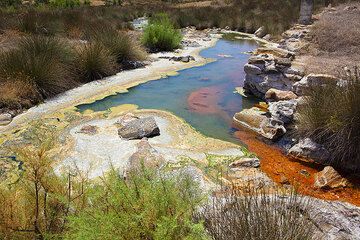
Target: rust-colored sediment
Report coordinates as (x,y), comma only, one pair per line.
(279,167)
(204,100)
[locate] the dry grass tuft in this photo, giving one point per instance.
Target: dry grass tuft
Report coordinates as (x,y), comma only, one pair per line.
(18,94)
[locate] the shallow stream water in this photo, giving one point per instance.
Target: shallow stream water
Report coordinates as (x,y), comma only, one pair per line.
(204,96)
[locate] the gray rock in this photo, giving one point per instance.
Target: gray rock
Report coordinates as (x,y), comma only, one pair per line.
(283,110)
(307,148)
(272,129)
(245,163)
(184,59)
(329,178)
(267,37)
(5,119)
(260,32)
(313,80)
(252,69)
(334,219)
(139,128)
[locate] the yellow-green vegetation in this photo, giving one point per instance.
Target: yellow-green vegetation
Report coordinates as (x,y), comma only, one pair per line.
(160,34)
(149,205)
(331,116)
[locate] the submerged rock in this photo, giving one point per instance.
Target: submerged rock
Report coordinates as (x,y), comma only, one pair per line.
(329,178)
(307,148)
(5,119)
(139,128)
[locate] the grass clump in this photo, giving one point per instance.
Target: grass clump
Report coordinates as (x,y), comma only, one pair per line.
(147,206)
(119,45)
(94,61)
(257,215)
(42,60)
(160,34)
(331,116)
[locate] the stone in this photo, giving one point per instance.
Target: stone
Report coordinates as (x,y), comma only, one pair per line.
(313,80)
(270,67)
(184,59)
(257,121)
(284,180)
(139,128)
(275,52)
(145,157)
(329,178)
(278,95)
(260,32)
(258,85)
(245,163)
(88,129)
(308,149)
(283,61)
(126,119)
(5,119)
(283,110)
(267,37)
(252,69)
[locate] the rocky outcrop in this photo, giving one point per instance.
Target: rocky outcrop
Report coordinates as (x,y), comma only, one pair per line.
(5,119)
(139,128)
(260,32)
(258,121)
(307,148)
(329,178)
(283,110)
(313,80)
(270,68)
(334,219)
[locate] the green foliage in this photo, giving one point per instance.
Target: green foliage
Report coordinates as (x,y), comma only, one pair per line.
(94,61)
(43,60)
(331,116)
(149,205)
(160,34)
(10,3)
(64,3)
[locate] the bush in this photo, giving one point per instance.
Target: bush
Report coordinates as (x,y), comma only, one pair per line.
(45,61)
(257,215)
(331,116)
(147,206)
(65,3)
(94,61)
(160,34)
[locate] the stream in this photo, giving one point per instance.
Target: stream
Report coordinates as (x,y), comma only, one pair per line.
(204,96)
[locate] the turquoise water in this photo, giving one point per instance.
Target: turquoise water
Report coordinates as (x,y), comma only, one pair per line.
(203,96)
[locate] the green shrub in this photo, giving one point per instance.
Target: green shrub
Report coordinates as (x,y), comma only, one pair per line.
(160,34)
(331,116)
(94,61)
(64,3)
(147,206)
(258,215)
(45,61)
